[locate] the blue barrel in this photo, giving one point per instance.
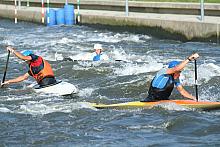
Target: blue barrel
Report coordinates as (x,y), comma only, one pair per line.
(60,17)
(52,17)
(69,14)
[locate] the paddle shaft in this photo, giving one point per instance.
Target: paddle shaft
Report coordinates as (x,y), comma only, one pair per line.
(69,59)
(6,67)
(196,86)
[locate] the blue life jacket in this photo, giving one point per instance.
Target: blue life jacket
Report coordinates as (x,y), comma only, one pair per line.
(161,86)
(97,57)
(155,94)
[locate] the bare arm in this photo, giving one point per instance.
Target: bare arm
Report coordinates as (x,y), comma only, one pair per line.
(178,67)
(19,55)
(184,93)
(182,64)
(18,79)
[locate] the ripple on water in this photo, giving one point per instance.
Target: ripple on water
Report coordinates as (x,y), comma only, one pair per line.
(30,119)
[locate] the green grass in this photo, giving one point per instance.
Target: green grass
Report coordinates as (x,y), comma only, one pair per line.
(192,1)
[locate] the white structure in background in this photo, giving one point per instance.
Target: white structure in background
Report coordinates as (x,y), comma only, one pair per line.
(202,9)
(48,11)
(78,14)
(19,4)
(28,3)
(16,20)
(126,8)
(42,11)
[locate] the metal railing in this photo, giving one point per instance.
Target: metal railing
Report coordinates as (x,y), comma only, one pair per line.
(202,9)
(17,4)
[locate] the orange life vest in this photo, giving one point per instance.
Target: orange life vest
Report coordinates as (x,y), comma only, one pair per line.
(45,72)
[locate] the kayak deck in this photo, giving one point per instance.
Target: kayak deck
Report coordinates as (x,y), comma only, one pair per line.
(61,88)
(202,105)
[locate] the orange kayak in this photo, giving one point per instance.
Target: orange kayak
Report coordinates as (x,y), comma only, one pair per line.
(201,105)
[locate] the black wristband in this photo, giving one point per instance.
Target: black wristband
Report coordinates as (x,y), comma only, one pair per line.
(189,59)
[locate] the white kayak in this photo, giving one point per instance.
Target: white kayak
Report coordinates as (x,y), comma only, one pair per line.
(60,88)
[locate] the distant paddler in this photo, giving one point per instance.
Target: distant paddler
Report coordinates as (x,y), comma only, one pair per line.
(166,79)
(97,55)
(39,68)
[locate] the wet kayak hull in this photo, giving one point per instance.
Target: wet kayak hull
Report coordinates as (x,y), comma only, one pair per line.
(202,105)
(60,88)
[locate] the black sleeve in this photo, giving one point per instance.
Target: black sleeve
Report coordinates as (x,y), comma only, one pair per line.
(34,57)
(29,72)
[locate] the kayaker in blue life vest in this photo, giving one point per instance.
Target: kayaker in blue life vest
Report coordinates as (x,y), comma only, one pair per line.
(39,68)
(166,79)
(98,54)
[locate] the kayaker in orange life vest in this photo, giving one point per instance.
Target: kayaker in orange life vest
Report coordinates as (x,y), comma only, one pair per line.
(39,68)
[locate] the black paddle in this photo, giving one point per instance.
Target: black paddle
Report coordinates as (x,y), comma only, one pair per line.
(69,59)
(196,87)
(6,67)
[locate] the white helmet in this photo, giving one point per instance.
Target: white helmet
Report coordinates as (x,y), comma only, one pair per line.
(98,46)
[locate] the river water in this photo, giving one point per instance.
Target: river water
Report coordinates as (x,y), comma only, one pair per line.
(31,119)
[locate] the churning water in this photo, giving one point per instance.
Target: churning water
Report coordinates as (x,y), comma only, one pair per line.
(31,119)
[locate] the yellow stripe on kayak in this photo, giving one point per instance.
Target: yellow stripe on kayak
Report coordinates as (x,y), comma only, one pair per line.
(204,105)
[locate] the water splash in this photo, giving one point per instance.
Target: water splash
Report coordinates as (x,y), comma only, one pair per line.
(86,92)
(171,106)
(135,69)
(205,73)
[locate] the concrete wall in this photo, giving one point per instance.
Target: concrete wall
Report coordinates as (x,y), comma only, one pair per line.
(25,13)
(134,6)
(187,27)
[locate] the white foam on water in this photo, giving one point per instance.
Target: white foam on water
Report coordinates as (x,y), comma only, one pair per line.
(86,65)
(4,55)
(135,69)
(118,54)
(138,81)
(8,42)
(86,92)
(205,72)
(171,106)
(16,98)
(86,105)
(51,56)
(65,41)
(50,106)
(81,56)
(150,126)
(58,56)
(78,53)
(104,37)
(5,110)
(113,54)
(206,94)
(2,29)
(118,37)
(48,56)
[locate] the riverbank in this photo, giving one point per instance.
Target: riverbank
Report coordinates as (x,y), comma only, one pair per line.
(186,27)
